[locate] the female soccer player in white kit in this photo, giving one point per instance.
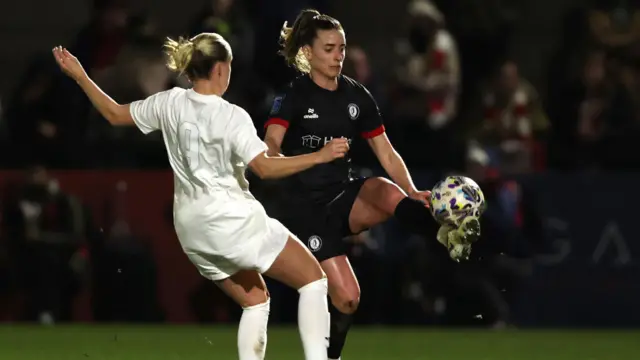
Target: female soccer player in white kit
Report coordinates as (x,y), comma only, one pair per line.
(223,230)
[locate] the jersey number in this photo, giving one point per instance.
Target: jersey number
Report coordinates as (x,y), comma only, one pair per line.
(189,135)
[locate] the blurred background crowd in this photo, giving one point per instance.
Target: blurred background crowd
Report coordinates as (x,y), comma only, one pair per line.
(530,98)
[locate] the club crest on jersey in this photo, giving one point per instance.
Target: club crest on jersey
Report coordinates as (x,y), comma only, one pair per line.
(354,111)
(315,243)
(277,103)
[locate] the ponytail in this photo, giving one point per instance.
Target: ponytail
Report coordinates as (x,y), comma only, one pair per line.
(196,57)
(303,32)
(179,54)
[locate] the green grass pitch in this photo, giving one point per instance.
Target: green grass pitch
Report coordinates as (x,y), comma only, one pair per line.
(200,342)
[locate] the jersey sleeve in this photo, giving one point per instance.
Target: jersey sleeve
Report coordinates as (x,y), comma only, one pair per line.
(281,110)
(147,113)
(243,137)
(370,120)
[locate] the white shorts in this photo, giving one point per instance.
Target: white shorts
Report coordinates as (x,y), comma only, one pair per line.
(220,243)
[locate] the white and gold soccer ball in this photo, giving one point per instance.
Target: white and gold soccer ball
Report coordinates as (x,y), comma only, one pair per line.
(456,198)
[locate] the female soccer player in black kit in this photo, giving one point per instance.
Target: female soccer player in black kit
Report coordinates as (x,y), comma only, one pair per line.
(325,204)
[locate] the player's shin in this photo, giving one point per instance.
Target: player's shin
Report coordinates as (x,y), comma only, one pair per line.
(252,332)
(313,319)
(340,324)
(415,217)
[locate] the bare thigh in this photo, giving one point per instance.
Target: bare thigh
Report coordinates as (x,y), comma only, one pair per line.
(295,266)
(376,203)
(246,288)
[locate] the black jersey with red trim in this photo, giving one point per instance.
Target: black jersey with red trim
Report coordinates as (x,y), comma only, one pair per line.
(313,116)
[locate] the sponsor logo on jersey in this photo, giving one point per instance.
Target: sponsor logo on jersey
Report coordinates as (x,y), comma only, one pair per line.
(314,142)
(311,141)
(311,114)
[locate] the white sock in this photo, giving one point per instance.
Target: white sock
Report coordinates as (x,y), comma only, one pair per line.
(313,320)
(252,332)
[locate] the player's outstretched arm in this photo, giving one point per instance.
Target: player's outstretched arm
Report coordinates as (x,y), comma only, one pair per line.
(115,113)
(273,167)
(395,167)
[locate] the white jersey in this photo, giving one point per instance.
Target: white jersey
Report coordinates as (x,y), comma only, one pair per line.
(220,225)
(209,140)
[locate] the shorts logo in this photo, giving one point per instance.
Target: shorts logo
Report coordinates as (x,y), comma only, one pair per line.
(354,111)
(315,243)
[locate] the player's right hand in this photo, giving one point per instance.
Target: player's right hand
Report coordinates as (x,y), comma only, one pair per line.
(68,63)
(334,149)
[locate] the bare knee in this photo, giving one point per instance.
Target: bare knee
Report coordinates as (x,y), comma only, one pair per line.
(343,285)
(312,275)
(254,299)
(245,288)
(317,274)
(346,301)
(387,194)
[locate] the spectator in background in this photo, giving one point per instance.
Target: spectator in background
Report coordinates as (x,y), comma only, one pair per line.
(514,122)
(611,27)
(429,65)
(564,66)
(576,111)
(229,19)
(100,42)
(125,274)
(616,25)
(427,77)
(138,71)
(97,45)
(594,117)
(46,229)
(358,66)
(620,114)
(630,81)
(33,118)
(591,104)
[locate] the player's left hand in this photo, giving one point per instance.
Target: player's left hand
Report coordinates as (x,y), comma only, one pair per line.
(422,196)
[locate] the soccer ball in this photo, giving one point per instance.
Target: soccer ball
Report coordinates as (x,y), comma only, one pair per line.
(455,198)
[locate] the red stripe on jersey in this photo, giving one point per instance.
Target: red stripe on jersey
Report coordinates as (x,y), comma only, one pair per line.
(373,133)
(277,121)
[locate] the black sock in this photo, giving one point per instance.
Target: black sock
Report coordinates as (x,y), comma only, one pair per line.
(415,217)
(340,324)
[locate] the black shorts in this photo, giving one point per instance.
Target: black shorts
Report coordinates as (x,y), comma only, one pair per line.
(322,225)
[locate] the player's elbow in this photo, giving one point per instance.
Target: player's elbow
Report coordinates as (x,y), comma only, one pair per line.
(260,167)
(261,172)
